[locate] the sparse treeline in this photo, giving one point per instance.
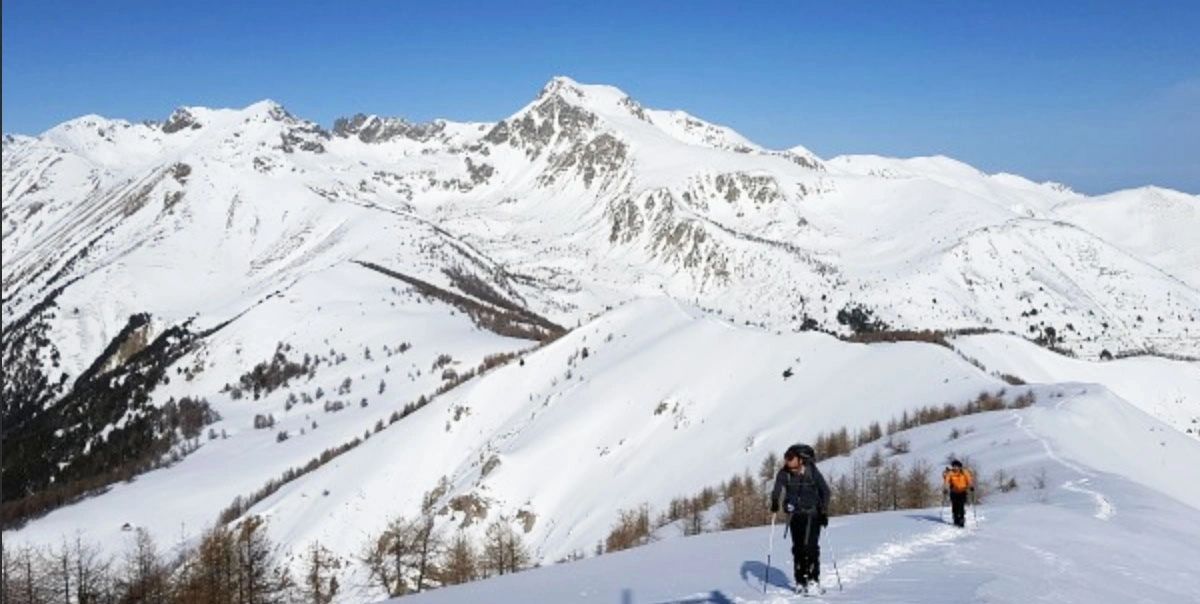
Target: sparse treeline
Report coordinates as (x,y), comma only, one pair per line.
(842,442)
(872,484)
(411,555)
(234,565)
(742,500)
(499,315)
(877,485)
(240,505)
(238,564)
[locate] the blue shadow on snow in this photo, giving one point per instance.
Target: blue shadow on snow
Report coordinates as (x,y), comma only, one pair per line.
(753,572)
(927,518)
(713,597)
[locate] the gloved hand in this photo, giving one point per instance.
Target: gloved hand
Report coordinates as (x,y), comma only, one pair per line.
(774,507)
(972,489)
(824,519)
(945,492)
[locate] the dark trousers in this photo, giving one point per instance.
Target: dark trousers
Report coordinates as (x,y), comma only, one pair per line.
(958,505)
(806,553)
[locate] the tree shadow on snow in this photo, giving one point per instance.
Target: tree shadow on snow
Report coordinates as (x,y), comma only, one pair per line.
(753,572)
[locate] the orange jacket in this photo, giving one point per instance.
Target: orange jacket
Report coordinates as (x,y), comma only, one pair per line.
(958,481)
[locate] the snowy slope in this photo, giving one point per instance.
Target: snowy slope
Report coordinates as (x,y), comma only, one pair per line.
(405,335)
(1017,553)
(1097,533)
(632,412)
(657,379)
(620,427)
(1157,224)
(1167,389)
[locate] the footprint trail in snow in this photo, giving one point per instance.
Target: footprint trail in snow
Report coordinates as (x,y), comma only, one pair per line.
(861,568)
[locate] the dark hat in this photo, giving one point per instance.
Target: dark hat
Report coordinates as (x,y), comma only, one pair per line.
(956,464)
(800,450)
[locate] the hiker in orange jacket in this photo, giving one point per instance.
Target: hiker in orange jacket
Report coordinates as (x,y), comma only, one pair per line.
(957,481)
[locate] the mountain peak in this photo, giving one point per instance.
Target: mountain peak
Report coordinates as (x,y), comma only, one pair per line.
(563,109)
(598,98)
(197,117)
(569,86)
(268,108)
(557,83)
(566,109)
(83,122)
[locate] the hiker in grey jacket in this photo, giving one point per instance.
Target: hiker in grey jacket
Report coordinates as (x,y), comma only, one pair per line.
(801,490)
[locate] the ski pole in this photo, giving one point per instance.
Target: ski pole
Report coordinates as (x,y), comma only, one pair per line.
(833,556)
(836,573)
(770,548)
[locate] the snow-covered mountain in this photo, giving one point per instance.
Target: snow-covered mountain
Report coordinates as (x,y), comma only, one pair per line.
(583,199)
(366,290)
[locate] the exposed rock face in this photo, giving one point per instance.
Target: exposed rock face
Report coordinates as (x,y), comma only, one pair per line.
(601,159)
(375,129)
(760,190)
(552,119)
(179,120)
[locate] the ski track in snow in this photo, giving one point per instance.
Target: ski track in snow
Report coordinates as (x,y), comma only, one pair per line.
(1105,510)
(1050,559)
(866,566)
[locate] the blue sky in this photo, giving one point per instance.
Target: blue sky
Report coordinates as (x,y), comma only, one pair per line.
(1099,95)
